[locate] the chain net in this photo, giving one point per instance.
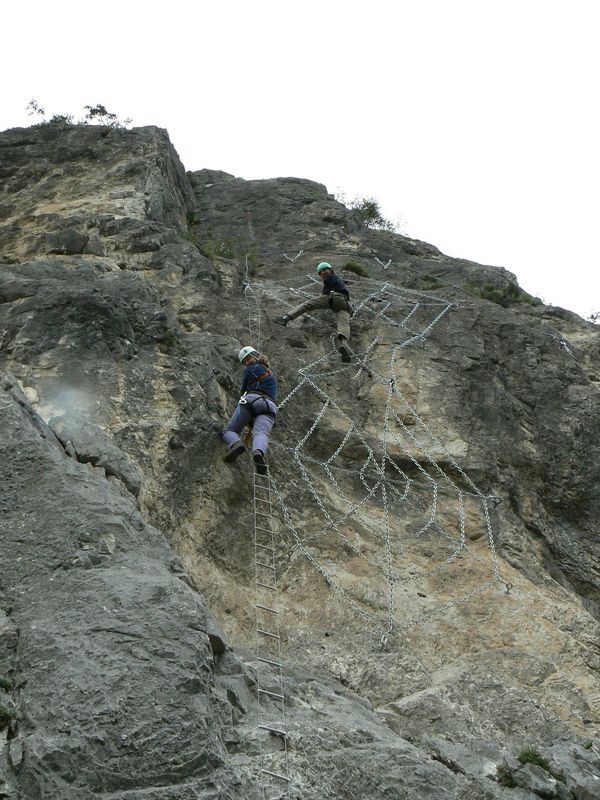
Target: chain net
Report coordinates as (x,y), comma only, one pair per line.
(368,493)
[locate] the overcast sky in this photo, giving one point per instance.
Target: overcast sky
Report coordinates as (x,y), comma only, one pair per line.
(474,122)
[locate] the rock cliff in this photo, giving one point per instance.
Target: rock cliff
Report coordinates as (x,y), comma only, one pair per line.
(436,502)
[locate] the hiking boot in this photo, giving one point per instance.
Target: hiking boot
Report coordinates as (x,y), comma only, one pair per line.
(344,352)
(261,464)
(234,451)
(282,320)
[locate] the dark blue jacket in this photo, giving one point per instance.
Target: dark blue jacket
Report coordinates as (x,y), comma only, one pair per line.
(251,382)
(333,283)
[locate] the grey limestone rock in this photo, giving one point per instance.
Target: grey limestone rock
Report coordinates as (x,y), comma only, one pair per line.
(91,445)
(126,617)
(114,675)
(536,780)
(580,767)
(67,242)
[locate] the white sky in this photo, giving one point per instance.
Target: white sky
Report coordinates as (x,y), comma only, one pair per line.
(475,122)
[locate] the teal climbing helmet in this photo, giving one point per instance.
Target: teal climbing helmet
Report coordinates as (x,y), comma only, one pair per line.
(323,265)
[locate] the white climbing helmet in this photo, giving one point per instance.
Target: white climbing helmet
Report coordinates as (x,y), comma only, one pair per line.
(246,351)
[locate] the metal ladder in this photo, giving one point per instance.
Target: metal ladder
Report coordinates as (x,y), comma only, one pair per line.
(254,312)
(270,695)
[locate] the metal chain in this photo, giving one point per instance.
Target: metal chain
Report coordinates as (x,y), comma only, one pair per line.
(310,376)
(297,256)
(329,580)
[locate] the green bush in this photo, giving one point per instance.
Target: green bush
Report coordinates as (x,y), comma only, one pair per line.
(5,717)
(211,249)
(59,120)
(207,247)
(189,237)
(505,295)
(357,269)
(5,684)
(370,214)
(531,756)
(531,300)
(504,776)
(429,282)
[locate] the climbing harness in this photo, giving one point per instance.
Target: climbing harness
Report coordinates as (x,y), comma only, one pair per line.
(267,406)
(266,374)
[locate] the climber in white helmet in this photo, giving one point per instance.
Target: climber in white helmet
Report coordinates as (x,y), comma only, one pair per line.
(256,408)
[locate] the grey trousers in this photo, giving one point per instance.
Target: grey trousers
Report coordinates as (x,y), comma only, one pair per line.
(342,318)
(261,425)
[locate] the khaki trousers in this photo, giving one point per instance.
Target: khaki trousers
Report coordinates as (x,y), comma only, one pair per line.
(342,318)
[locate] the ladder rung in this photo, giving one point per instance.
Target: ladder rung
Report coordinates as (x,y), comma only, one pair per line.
(265,530)
(260,564)
(262,500)
(266,608)
(262,514)
(273,730)
(268,661)
(276,775)
(266,586)
(268,633)
(272,694)
(265,546)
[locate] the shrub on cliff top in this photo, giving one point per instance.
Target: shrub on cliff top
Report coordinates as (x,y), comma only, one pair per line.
(95,115)
(370,213)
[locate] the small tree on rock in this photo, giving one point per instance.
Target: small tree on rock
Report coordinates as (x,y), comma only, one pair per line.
(370,213)
(99,115)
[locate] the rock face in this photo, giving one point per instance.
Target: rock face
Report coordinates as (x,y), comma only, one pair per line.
(436,502)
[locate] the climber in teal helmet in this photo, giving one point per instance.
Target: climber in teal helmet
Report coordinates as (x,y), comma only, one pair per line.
(335,296)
